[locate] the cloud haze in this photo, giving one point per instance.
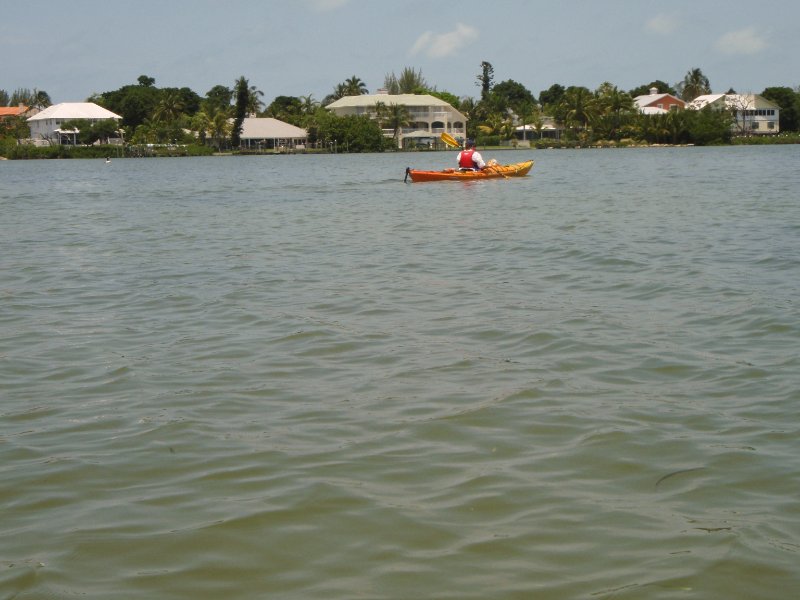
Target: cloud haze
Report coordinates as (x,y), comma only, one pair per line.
(662,24)
(743,41)
(302,47)
(325,5)
(440,45)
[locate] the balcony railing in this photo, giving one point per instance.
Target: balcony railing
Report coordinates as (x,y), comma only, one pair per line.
(434,132)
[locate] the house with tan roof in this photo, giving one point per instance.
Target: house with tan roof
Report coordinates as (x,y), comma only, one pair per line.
(429,116)
(753,114)
(46,125)
(272,134)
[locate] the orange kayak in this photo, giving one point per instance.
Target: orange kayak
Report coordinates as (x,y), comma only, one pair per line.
(495,172)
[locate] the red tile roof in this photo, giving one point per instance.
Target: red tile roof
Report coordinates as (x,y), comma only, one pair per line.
(12,111)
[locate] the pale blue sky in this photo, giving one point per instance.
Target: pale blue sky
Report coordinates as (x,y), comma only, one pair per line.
(73,48)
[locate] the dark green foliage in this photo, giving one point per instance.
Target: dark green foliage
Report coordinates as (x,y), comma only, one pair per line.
(242,91)
(513,94)
(789,101)
(219,97)
(286,108)
(15,128)
(709,127)
(27,151)
(644,90)
(347,134)
(152,115)
(484,141)
(553,95)
(451,99)
(134,103)
(694,84)
(485,78)
(89,133)
(189,98)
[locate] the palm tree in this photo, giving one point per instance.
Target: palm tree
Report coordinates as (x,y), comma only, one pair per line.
(31,98)
(254,104)
(219,126)
(493,123)
(578,107)
(201,123)
(41,99)
(614,105)
(661,128)
(529,114)
(467,106)
(148,131)
(169,108)
(675,125)
(394,116)
(694,84)
(354,87)
(340,91)
(308,105)
(508,128)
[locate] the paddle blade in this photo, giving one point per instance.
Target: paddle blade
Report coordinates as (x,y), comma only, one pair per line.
(450,140)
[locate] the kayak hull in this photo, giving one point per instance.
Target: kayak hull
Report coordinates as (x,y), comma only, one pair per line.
(495,172)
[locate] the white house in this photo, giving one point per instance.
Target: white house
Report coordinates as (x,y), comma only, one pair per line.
(753,114)
(46,125)
(429,116)
(548,128)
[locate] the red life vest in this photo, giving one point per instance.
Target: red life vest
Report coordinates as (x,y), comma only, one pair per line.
(465,160)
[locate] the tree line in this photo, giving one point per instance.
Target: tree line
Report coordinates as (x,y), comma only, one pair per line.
(169,115)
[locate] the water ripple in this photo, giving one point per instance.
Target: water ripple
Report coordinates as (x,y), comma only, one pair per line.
(223,378)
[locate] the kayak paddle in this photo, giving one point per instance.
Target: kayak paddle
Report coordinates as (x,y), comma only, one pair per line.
(449,140)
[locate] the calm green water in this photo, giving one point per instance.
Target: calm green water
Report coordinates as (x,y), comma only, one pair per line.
(299,377)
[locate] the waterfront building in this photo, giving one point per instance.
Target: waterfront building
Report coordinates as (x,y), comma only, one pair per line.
(753,114)
(429,116)
(46,125)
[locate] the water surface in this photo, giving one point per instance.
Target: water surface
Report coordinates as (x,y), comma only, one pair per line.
(299,377)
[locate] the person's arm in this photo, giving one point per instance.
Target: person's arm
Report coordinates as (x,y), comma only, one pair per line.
(478,160)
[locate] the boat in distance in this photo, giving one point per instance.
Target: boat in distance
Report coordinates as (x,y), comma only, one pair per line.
(519,169)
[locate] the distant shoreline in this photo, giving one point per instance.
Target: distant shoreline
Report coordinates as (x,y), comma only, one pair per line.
(115,152)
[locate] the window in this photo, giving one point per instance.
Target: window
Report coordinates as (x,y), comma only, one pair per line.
(754,125)
(770,124)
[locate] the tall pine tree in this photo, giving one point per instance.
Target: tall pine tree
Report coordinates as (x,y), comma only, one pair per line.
(242,91)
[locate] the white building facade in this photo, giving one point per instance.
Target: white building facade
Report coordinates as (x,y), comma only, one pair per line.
(753,114)
(46,125)
(429,116)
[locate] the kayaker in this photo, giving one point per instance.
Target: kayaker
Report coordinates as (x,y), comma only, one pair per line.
(470,159)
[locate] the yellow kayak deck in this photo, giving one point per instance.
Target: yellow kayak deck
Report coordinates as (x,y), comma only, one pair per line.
(494,172)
